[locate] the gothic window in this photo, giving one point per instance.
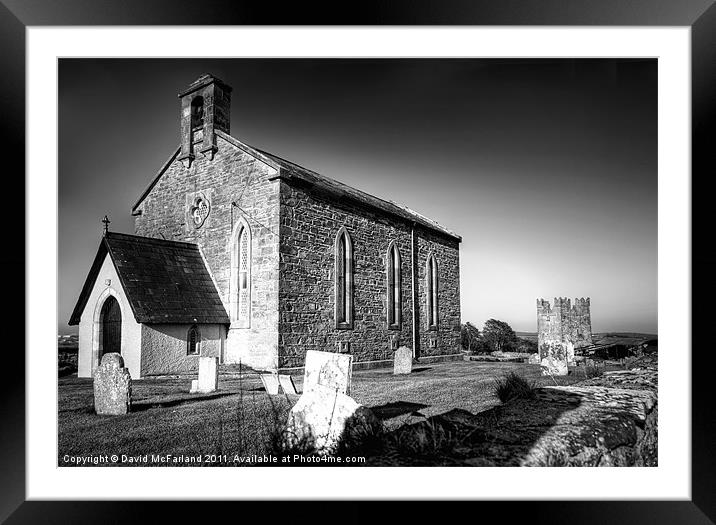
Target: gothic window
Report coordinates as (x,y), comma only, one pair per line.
(431,292)
(344,280)
(193,341)
(394,287)
(197,112)
(240,294)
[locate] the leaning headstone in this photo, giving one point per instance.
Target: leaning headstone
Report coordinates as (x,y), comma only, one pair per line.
(323,417)
(402,361)
(286,382)
(328,369)
(270,382)
(112,386)
(208,375)
(554,359)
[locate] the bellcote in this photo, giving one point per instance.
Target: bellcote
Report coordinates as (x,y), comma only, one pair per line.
(205,108)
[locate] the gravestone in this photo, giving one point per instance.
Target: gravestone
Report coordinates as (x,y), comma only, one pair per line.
(270,382)
(322,417)
(570,352)
(554,359)
(208,376)
(402,361)
(112,386)
(286,382)
(328,369)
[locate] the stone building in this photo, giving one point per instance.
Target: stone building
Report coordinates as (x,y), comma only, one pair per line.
(244,255)
(563,324)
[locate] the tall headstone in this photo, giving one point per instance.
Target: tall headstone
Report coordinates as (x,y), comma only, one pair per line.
(322,417)
(328,369)
(112,386)
(403,361)
(208,375)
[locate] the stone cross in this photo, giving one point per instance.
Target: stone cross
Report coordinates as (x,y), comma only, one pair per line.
(106,222)
(112,386)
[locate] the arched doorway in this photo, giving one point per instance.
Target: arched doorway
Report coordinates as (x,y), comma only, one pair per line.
(110,337)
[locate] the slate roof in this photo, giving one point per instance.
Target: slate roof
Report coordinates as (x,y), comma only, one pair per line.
(165,281)
(316,182)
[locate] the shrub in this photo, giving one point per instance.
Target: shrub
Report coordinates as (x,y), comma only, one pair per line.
(513,386)
(591,371)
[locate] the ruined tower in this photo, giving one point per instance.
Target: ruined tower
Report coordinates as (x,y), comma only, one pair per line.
(564,323)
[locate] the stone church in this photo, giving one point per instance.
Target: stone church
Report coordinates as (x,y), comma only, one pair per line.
(243,255)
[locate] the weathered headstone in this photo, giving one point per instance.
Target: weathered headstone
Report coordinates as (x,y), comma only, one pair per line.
(112,386)
(322,417)
(287,384)
(554,359)
(570,352)
(270,382)
(402,361)
(328,369)
(208,376)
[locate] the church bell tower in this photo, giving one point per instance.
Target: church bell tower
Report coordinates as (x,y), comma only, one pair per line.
(205,108)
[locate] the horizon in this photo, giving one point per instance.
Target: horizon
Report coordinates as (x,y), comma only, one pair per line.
(545,167)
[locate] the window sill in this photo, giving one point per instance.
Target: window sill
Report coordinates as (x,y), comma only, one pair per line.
(344,326)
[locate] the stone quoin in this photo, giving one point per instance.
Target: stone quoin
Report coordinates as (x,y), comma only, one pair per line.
(242,255)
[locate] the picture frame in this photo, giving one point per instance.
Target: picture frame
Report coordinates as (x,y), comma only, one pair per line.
(15,16)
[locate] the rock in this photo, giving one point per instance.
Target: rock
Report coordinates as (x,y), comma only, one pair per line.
(554,359)
(323,417)
(112,386)
(403,361)
(328,369)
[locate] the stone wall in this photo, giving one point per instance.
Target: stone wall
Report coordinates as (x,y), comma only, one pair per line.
(164,347)
(309,226)
(232,175)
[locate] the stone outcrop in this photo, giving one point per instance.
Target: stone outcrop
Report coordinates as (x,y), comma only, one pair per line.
(606,421)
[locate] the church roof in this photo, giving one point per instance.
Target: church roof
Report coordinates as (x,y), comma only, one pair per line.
(317,182)
(165,281)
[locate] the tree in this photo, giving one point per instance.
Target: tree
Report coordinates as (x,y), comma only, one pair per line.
(470,338)
(499,335)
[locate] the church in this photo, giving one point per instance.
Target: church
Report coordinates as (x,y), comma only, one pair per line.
(240,254)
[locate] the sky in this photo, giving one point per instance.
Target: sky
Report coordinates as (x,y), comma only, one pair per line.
(547,168)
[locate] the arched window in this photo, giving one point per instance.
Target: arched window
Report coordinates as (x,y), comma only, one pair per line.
(394,287)
(197,112)
(193,341)
(344,280)
(431,292)
(240,282)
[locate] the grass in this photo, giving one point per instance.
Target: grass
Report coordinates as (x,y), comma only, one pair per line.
(242,419)
(513,386)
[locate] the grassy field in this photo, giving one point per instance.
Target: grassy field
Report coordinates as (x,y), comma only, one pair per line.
(241,418)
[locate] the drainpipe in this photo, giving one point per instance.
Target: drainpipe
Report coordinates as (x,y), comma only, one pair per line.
(414,280)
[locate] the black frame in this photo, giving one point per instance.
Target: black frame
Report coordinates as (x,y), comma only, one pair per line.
(700,15)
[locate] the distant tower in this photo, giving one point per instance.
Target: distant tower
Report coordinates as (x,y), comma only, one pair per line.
(205,108)
(564,323)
